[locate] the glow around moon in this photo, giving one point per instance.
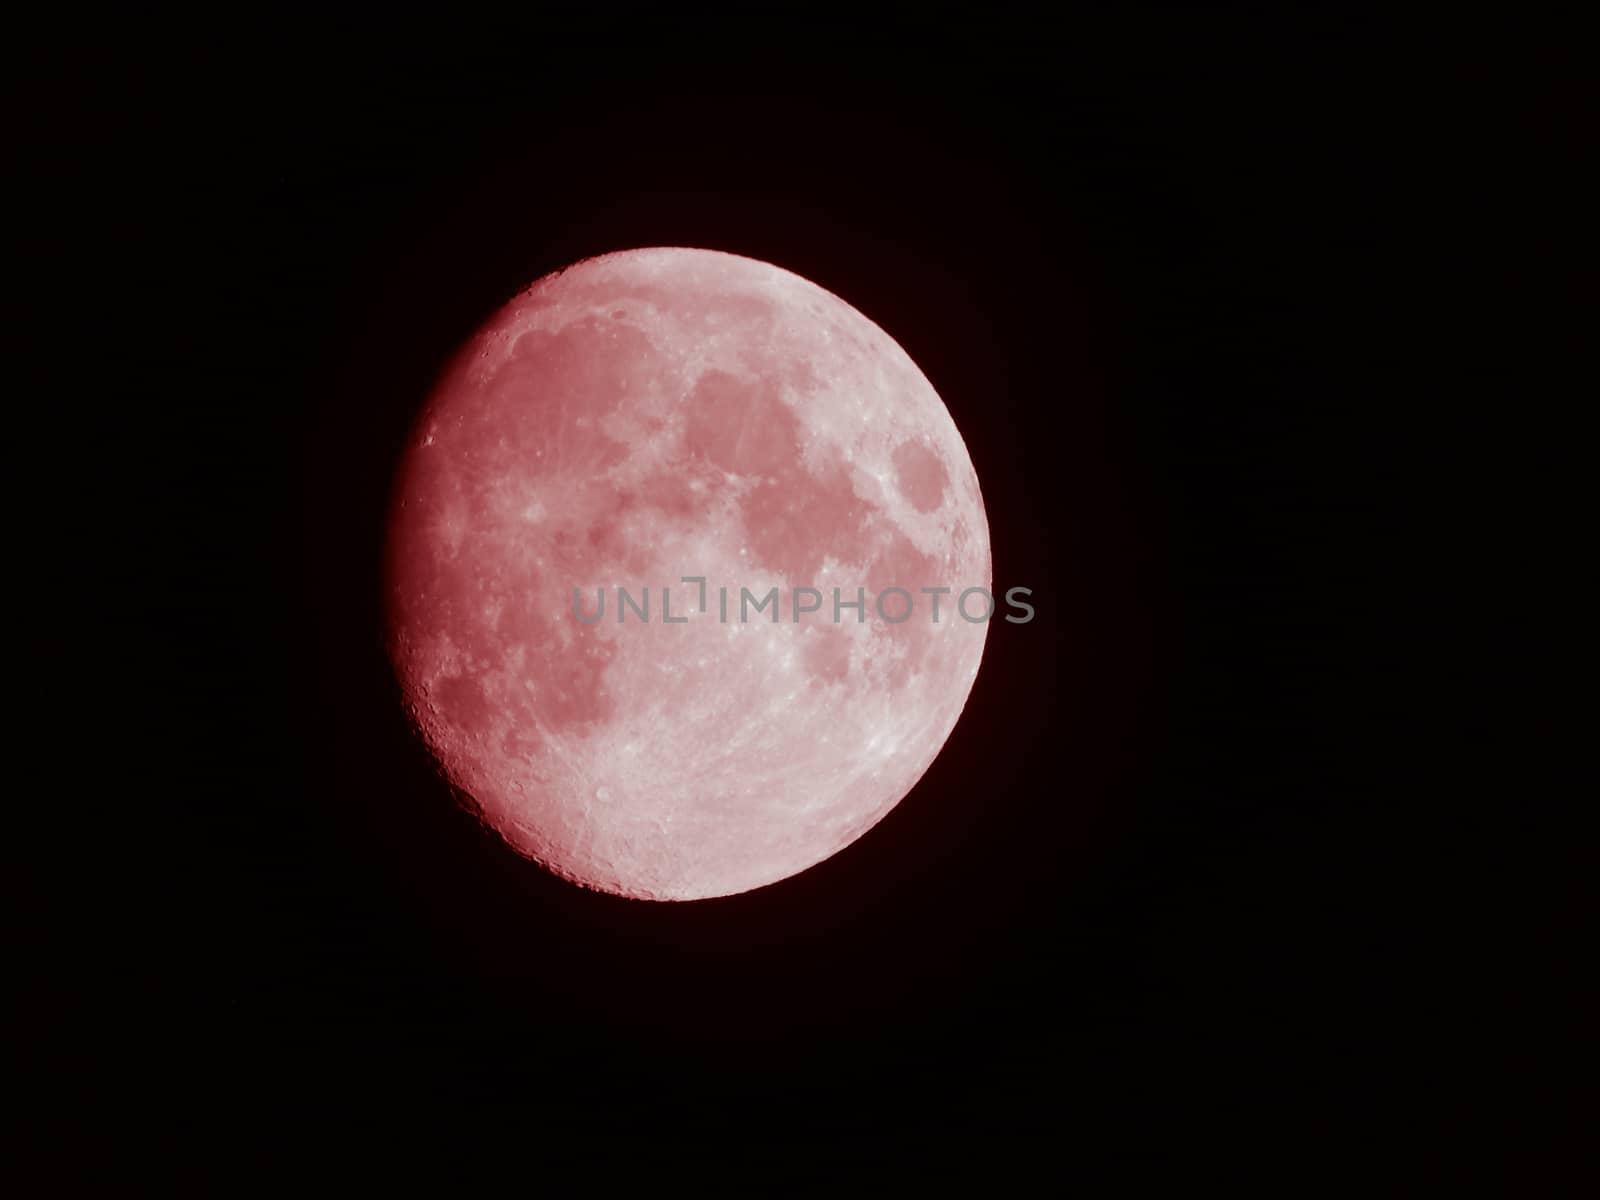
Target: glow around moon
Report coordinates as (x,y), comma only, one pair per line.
(648,416)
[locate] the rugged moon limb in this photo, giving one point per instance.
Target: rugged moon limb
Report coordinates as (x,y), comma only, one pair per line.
(693,425)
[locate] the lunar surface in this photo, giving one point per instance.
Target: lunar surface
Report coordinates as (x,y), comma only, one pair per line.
(634,420)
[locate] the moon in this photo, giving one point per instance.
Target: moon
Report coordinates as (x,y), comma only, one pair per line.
(684,426)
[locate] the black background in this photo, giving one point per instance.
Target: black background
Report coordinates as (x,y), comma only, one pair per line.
(1179,881)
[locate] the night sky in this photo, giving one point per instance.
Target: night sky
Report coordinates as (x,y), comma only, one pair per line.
(1199,871)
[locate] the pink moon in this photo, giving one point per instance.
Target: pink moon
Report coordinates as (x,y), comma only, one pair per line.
(640,419)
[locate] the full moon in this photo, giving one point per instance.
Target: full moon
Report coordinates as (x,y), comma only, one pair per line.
(775,519)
